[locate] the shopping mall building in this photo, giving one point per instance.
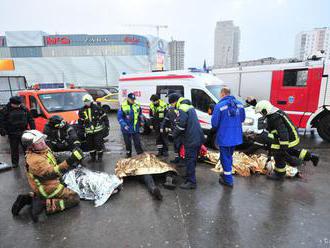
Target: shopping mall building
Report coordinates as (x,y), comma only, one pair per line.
(80,58)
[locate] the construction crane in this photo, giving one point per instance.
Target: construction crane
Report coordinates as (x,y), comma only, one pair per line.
(157,27)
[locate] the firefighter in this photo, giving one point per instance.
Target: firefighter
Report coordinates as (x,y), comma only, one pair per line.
(14,120)
(227,118)
(189,128)
(158,109)
(60,135)
(283,138)
(130,119)
(168,125)
(44,177)
(96,124)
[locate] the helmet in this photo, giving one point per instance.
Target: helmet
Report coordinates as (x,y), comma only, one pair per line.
(174,97)
(15,100)
(131,96)
(154,98)
(56,120)
(264,107)
(31,137)
(87,98)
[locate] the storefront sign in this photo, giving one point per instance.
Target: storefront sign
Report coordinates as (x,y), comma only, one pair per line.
(58,41)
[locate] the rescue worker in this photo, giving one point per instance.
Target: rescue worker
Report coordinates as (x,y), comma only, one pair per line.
(158,109)
(95,123)
(189,128)
(60,135)
(14,120)
(168,125)
(227,118)
(251,101)
(44,177)
(282,136)
(130,119)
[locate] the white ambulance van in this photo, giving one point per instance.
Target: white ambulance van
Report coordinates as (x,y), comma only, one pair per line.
(201,88)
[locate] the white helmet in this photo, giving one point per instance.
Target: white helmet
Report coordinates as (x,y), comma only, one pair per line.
(264,107)
(87,98)
(31,137)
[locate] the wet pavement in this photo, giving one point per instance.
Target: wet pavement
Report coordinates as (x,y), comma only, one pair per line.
(256,213)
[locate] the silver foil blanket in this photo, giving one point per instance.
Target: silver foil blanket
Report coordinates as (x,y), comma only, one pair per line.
(92,185)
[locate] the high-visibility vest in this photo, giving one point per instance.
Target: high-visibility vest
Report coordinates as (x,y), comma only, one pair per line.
(126,108)
(51,159)
(159,110)
(183,106)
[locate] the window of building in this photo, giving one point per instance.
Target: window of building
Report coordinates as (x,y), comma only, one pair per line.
(295,78)
(201,100)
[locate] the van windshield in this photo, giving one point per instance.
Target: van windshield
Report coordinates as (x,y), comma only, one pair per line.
(63,101)
(215,90)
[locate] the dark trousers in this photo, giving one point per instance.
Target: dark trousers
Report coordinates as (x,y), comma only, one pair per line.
(280,158)
(15,141)
(191,154)
(161,141)
(149,182)
(128,143)
(95,143)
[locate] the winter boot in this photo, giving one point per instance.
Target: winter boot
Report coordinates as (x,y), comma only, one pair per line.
(93,157)
(165,153)
(21,201)
(176,160)
(38,206)
(224,183)
(188,185)
(157,194)
(99,156)
(128,154)
(315,159)
(169,184)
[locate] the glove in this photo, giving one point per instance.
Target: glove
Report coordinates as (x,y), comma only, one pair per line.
(126,128)
(2,132)
(161,130)
(167,130)
(151,127)
(76,156)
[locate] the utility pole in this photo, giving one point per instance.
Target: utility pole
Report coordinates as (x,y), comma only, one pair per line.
(105,69)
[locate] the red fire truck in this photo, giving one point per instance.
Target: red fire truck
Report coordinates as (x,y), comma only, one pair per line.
(301,89)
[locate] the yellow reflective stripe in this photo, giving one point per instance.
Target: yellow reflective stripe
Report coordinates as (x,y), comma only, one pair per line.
(89,113)
(62,206)
(42,190)
(296,141)
(302,154)
(275,146)
(284,142)
(57,169)
(274,132)
(76,142)
(77,155)
(271,136)
(280,169)
(52,161)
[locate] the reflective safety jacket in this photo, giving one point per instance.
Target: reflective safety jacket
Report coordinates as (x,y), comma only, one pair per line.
(188,125)
(44,173)
(16,120)
(281,130)
(129,117)
(61,139)
(93,119)
(157,113)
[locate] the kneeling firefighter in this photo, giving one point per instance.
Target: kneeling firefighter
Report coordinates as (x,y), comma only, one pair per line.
(44,177)
(60,135)
(158,109)
(96,125)
(282,137)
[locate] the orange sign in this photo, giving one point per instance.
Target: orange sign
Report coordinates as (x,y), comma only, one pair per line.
(7,65)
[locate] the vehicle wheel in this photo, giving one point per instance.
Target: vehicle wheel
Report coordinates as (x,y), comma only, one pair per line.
(106,108)
(324,128)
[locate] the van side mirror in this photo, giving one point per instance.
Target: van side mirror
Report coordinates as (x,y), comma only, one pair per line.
(34,113)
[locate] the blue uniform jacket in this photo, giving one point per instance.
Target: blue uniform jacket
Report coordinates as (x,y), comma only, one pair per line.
(227,119)
(127,120)
(189,127)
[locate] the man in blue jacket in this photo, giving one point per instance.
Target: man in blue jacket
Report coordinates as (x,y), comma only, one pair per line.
(189,128)
(130,117)
(227,119)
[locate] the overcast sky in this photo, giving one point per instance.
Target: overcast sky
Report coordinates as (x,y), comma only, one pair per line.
(268,27)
